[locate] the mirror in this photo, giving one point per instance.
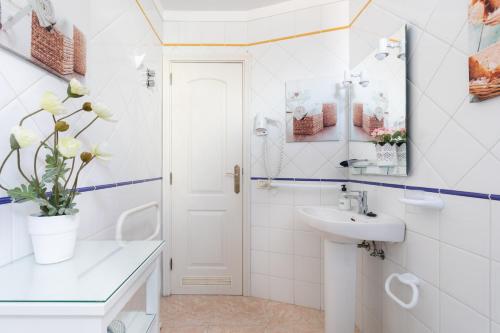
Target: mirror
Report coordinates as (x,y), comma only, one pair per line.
(377,110)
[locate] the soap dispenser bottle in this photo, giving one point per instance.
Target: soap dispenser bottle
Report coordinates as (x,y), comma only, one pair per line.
(344,200)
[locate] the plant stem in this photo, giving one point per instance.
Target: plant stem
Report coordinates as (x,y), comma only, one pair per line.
(2,166)
(64,100)
(30,115)
(75,183)
(55,189)
(36,155)
(70,172)
(69,115)
(88,125)
(19,166)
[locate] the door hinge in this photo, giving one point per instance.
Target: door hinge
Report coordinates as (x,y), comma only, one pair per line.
(171,178)
(171,263)
(171,78)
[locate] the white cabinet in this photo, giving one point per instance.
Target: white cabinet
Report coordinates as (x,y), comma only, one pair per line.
(84,294)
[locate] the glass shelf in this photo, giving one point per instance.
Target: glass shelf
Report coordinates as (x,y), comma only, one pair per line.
(98,269)
(137,322)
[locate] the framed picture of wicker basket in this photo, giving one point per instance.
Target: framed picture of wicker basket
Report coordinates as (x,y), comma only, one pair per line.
(484,47)
(49,33)
(314,110)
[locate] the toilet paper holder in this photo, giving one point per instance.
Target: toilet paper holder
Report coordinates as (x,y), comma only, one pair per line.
(408,279)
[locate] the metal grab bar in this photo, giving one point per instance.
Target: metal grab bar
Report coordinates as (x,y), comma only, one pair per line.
(127,213)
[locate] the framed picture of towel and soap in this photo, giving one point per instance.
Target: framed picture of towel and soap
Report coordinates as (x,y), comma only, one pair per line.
(49,33)
(484,44)
(314,110)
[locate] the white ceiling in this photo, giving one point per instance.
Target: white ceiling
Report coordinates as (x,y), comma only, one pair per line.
(216,5)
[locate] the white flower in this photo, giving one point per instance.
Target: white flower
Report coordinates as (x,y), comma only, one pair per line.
(52,104)
(68,147)
(103,112)
(101,152)
(23,136)
(77,89)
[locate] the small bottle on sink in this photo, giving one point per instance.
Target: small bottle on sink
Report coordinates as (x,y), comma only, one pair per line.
(344,200)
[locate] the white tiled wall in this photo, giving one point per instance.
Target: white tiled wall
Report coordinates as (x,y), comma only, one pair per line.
(116,32)
(454,145)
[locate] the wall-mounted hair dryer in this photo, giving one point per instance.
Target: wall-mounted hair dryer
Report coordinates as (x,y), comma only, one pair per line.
(261,128)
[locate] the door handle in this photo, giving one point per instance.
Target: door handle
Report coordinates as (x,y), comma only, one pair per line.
(236,178)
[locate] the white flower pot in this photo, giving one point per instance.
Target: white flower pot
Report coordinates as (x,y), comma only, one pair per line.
(386,155)
(53,237)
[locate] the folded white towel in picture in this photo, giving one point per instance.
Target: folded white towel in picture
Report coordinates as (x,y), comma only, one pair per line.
(45,12)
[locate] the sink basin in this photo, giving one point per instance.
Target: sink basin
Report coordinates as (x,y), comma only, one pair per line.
(349,227)
(342,230)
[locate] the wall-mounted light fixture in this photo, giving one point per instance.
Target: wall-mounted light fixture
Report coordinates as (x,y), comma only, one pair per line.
(150,78)
(361,77)
(387,44)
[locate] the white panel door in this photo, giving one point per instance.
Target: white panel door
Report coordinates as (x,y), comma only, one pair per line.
(207,116)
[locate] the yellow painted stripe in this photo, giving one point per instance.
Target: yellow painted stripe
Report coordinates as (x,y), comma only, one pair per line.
(149,21)
(267,41)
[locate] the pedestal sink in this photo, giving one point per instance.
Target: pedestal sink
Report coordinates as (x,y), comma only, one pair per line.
(342,230)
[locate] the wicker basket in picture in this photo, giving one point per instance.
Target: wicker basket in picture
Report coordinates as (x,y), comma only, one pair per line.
(357,115)
(51,48)
(309,125)
(401,154)
(80,61)
(370,123)
(329,114)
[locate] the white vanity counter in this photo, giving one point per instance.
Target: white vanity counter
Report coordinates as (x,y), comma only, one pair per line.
(84,294)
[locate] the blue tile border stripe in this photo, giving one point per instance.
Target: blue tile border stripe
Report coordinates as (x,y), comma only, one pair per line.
(476,195)
(8,200)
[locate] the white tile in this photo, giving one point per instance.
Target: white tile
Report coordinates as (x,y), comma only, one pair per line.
(424,221)
(422,257)
(307,196)
(309,160)
(427,309)
(458,318)
(415,326)
(307,269)
(281,290)
(449,87)
(452,163)
(414,12)
(281,265)
(495,230)
(308,19)
(466,277)
(307,294)
(260,215)
(260,239)
(260,286)
(465,223)
(495,291)
(424,64)
(8,93)
(260,262)
(447,19)
(20,73)
(281,241)
(5,234)
(281,196)
(495,328)
(307,244)
(426,123)
(281,216)
(481,128)
(474,181)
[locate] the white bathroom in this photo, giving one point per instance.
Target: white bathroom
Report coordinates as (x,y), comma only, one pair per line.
(264,166)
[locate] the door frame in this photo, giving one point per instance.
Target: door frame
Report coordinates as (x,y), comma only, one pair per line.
(245,60)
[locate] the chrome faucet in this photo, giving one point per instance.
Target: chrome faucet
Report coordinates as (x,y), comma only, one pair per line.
(362,198)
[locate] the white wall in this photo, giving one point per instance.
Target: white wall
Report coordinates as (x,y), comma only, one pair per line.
(454,145)
(117,30)
(286,256)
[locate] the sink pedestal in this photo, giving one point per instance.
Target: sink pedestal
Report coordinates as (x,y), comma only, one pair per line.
(340,287)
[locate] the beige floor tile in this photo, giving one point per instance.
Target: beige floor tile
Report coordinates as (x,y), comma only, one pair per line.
(234,314)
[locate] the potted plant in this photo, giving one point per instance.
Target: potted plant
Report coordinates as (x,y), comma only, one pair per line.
(399,138)
(385,147)
(53,229)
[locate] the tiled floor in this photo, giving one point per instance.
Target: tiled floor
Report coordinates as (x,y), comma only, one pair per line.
(231,314)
